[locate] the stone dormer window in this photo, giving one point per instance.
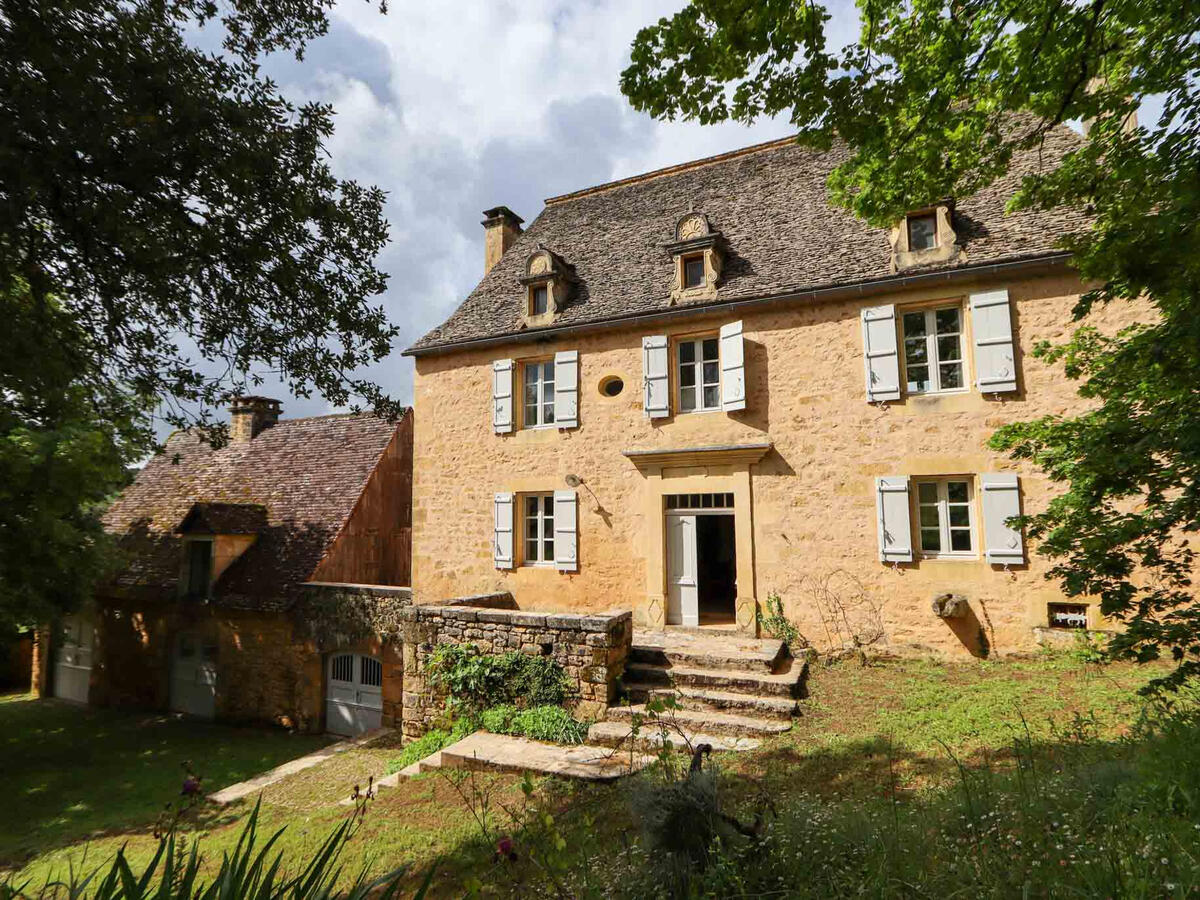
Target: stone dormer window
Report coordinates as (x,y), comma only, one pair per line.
(548,281)
(925,236)
(697,253)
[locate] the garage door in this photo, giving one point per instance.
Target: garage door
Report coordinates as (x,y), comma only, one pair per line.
(354,694)
(73,658)
(194,675)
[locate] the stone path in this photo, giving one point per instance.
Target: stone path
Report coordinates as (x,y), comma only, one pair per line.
(253,785)
(482,751)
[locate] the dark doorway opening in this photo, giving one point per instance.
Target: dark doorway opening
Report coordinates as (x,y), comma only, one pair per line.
(716,563)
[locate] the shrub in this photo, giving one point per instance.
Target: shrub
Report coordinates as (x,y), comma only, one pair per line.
(541,723)
(477,681)
(777,625)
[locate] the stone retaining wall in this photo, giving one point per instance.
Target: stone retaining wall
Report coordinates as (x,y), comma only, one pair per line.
(592,649)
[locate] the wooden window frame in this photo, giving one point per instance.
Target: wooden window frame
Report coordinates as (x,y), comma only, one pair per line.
(544,517)
(944,527)
(931,215)
(933,359)
(684,262)
(697,365)
(533,292)
(543,402)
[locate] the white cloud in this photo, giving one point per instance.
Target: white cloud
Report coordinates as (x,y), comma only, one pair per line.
(453,108)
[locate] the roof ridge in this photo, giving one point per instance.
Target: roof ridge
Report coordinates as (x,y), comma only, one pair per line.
(673,169)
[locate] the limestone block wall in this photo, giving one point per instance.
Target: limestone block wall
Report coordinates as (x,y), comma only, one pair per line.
(811,499)
(592,649)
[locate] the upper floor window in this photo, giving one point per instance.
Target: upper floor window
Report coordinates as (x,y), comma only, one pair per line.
(199,568)
(946,517)
(922,231)
(699,374)
(933,353)
(538,524)
(538,400)
(693,271)
(539,302)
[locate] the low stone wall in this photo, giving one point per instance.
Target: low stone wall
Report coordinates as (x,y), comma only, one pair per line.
(592,649)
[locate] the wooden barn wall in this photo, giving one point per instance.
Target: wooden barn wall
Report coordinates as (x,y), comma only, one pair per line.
(375,547)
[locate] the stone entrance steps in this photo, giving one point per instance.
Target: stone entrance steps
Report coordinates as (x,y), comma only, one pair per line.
(731,691)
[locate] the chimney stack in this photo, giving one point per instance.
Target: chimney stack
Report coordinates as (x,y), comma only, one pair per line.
(249,416)
(501,226)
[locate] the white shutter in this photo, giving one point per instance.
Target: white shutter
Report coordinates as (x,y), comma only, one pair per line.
(503,542)
(1001,502)
(502,396)
(995,361)
(733,368)
(880,356)
(566,531)
(566,389)
(656,391)
(895,518)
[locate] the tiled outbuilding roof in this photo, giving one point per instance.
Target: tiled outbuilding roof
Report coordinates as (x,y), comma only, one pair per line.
(224,518)
(298,481)
(782,235)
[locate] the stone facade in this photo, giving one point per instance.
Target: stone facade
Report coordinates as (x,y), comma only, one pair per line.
(591,649)
(806,512)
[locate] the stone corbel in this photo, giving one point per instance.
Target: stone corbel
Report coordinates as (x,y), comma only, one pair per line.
(947,248)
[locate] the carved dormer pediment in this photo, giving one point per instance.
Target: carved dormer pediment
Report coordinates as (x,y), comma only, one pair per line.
(698,255)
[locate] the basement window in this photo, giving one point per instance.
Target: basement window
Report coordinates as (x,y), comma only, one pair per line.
(1067,615)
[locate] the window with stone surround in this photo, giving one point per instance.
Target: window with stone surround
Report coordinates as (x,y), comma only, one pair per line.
(693,271)
(537,529)
(946,516)
(537,398)
(699,371)
(539,300)
(922,231)
(933,350)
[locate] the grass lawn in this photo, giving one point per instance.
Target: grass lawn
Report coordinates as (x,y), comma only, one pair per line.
(866,732)
(69,773)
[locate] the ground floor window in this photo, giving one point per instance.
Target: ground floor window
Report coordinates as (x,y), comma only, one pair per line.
(946,517)
(538,526)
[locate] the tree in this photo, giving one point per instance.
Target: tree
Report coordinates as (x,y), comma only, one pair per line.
(933,99)
(170,230)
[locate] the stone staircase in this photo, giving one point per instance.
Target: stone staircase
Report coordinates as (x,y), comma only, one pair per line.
(733,691)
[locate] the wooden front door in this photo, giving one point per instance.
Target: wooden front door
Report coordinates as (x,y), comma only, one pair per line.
(73,658)
(683,597)
(194,675)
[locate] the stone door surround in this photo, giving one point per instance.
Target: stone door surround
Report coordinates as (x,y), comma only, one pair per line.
(723,468)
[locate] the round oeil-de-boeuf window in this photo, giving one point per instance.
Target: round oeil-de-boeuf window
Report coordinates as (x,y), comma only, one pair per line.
(612,386)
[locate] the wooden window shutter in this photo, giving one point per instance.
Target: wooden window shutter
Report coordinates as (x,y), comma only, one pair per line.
(502,395)
(566,389)
(733,368)
(995,360)
(503,541)
(895,518)
(880,354)
(656,391)
(566,531)
(1001,502)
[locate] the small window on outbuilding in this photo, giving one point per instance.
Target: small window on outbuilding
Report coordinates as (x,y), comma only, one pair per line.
(922,232)
(199,568)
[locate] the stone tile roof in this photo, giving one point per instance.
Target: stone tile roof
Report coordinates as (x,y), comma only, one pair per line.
(782,235)
(224,518)
(307,474)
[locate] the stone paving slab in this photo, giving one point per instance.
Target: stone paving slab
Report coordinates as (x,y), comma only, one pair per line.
(252,785)
(482,751)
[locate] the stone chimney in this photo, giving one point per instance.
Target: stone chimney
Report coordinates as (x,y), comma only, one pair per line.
(250,416)
(501,226)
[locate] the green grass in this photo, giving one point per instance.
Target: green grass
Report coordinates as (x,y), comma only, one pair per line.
(68,773)
(868,735)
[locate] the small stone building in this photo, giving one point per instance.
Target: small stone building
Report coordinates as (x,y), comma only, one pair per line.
(263,581)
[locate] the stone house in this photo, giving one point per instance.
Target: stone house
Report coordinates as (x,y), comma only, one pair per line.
(262,581)
(684,392)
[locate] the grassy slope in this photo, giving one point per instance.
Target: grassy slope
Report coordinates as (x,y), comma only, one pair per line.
(67,772)
(866,729)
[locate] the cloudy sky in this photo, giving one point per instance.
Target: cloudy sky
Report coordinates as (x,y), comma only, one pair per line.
(452,108)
